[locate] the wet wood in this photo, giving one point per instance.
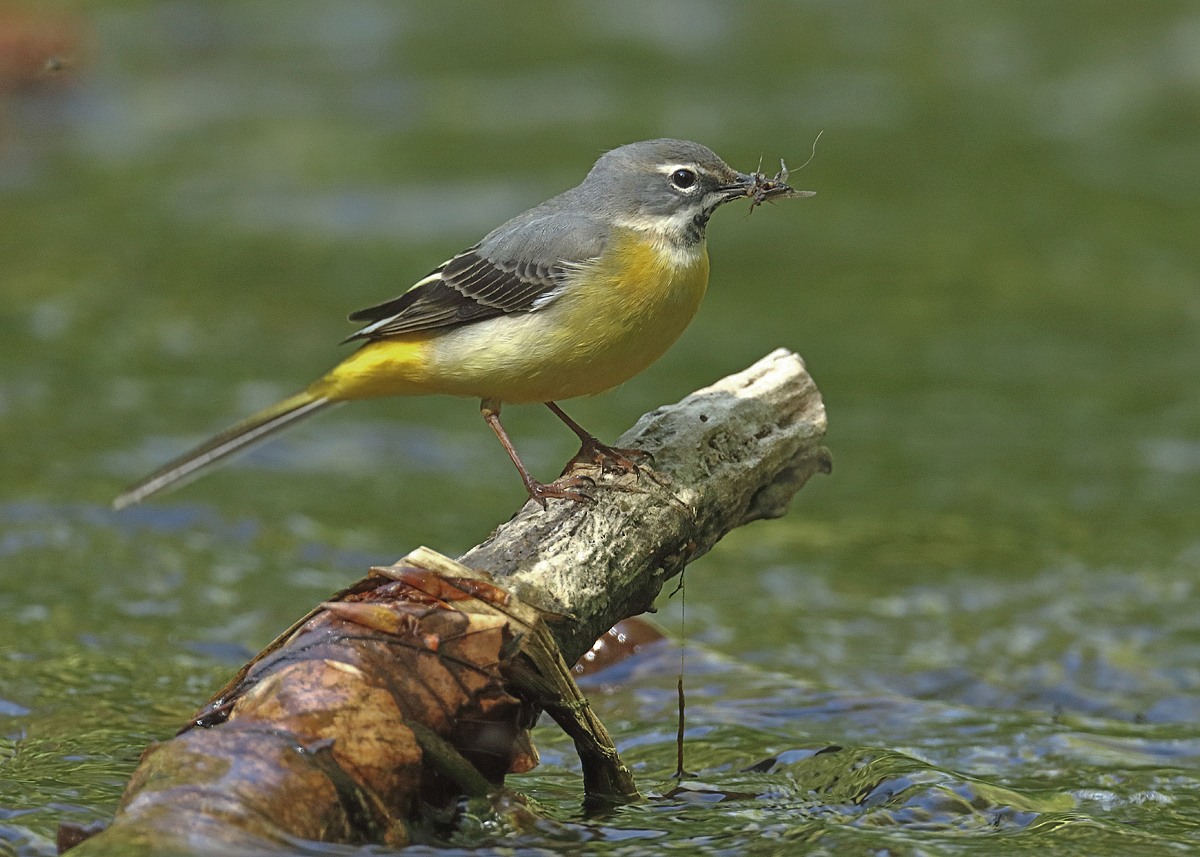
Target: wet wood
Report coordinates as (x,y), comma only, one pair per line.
(369,720)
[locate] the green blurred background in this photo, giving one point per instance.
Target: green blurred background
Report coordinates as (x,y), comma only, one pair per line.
(997,288)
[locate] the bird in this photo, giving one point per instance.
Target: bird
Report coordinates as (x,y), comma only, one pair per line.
(570,298)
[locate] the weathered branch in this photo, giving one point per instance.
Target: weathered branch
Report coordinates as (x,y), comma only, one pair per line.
(729,454)
(418,683)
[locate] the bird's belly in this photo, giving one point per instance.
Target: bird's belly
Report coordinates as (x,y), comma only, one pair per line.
(613,322)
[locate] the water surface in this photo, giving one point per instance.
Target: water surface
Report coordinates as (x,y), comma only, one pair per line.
(990,607)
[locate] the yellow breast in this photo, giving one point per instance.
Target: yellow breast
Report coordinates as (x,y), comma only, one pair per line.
(627,309)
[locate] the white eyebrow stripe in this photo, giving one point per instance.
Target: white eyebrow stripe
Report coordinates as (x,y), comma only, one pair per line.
(667,169)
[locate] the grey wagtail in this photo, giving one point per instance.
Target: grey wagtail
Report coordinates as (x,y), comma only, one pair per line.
(571,298)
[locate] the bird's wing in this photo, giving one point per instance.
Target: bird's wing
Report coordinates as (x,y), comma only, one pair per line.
(521,267)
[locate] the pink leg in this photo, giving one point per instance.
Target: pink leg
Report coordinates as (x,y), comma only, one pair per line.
(537,490)
(625,460)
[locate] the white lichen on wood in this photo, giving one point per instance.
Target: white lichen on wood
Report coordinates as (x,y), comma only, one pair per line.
(726,455)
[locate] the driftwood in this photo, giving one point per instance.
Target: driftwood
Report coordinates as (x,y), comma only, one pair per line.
(370,718)
(729,454)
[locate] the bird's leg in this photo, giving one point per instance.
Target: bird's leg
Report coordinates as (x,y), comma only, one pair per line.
(490,408)
(608,457)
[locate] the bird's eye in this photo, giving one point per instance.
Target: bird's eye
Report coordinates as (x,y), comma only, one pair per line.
(683,179)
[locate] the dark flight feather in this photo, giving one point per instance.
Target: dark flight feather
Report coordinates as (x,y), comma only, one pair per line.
(464,289)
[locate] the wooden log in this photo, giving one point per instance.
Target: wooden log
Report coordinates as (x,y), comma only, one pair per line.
(728,454)
(419,683)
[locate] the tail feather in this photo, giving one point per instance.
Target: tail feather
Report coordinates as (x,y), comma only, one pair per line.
(233,440)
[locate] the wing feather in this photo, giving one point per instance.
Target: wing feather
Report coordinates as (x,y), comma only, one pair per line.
(503,274)
(467,288)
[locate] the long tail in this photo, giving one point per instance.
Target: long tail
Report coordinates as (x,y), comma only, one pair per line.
(235,439)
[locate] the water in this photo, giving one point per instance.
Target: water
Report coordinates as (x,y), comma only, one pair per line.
(990,606)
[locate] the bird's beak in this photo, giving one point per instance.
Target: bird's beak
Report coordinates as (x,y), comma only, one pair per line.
(742,185)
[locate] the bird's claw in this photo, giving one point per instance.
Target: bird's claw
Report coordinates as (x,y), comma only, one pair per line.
(562,489)
(612,459)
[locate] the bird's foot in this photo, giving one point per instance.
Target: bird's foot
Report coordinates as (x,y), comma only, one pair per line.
(618,460)
(611,459)
(564,488)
